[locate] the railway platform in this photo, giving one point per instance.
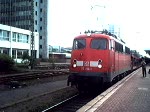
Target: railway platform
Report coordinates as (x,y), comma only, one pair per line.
(131,94)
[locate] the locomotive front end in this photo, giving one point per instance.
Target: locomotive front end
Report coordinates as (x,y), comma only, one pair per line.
(89,60)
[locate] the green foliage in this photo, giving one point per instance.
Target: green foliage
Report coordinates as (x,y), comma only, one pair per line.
(26,58)
(6,63)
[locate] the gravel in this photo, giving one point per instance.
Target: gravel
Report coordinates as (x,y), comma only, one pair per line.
(36,96)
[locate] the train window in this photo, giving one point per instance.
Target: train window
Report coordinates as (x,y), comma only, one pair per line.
(118,47)
(79,44)
(99,44)
(127,50)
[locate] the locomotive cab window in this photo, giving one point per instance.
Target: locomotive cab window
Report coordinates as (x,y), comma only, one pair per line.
(99,44)
(79,44)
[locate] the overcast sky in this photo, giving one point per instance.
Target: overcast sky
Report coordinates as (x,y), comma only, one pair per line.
(67,18)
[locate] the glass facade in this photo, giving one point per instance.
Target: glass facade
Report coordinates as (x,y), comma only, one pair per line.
(26,14)
(16,13)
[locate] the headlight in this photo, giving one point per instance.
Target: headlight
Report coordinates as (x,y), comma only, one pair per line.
(74,65)
(99,66)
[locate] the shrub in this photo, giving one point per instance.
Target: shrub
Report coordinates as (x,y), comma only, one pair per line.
(26,58)
(6,63)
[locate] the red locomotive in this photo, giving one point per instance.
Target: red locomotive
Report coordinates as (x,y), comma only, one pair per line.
(98,58)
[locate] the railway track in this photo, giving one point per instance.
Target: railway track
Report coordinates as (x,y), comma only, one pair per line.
(15,78)
(72,104)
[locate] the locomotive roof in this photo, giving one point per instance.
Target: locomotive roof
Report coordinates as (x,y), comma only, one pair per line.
(103,33)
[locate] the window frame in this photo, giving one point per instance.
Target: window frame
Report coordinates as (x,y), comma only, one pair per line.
(76,47)
(106,40)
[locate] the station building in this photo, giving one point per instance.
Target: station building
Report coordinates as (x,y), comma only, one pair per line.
(15,41)
(61,54)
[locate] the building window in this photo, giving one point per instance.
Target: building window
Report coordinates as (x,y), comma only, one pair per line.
(14,36)
(40,19)
(40,9)
(40,37)
(35,30)
(4,35)
(5,51)
(41,1)
(22,38)
(36,4)
(19,53)
(35,22)
(1,35)
(40,46)
(19,38)
(14,53)
(41,28)
(35,12)
(25,38)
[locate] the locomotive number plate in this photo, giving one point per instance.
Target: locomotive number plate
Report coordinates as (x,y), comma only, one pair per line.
(86,63)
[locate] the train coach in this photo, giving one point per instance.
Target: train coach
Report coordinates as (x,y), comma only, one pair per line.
(98,58)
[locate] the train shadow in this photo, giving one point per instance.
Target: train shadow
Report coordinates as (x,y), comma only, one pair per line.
(97,89)
(92,90)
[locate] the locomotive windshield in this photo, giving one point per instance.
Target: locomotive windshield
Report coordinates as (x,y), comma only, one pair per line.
(99,44)
(79,44)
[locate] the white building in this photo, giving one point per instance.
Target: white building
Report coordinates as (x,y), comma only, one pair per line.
(15,41)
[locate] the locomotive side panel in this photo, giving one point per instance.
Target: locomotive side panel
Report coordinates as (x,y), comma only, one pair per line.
(121,63)
(122,58)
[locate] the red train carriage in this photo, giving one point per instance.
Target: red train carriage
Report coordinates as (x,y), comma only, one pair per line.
(136,59)
(98,58)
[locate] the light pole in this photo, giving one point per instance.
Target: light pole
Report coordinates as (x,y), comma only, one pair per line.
(97,15)
(32,34)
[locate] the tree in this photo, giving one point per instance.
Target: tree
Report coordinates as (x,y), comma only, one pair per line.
(6,63)
(26,58)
